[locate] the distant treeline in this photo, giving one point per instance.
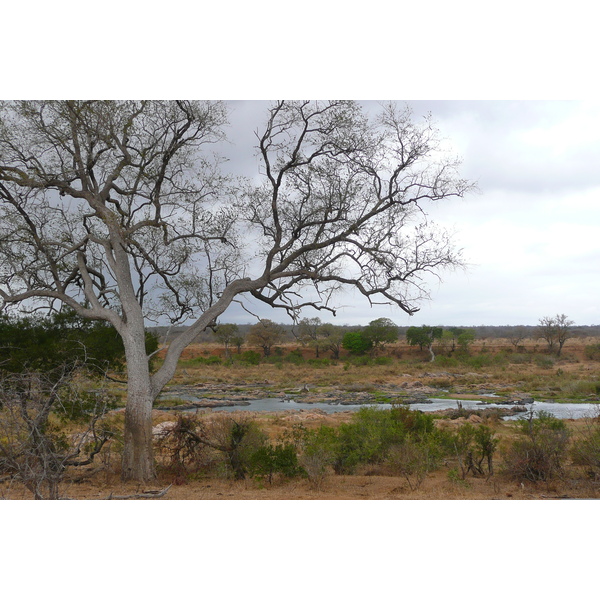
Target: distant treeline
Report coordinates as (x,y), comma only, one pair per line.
(482,332)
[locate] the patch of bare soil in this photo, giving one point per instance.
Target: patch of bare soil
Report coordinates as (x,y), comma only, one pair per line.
(436,486)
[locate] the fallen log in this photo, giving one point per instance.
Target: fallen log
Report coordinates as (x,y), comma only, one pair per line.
(145,495)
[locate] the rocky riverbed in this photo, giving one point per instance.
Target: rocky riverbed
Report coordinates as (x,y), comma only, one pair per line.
(209,396)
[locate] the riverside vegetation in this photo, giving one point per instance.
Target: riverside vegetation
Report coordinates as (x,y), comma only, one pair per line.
(368,453)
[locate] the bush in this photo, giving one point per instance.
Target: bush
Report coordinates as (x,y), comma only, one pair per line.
(485,360)
(545,362)
(413,460)
(520,359)
(320,449)
(383,360)
(295,357)
(361,361)
(319,363)
(250,357)
(356,343)
(209,360)
(34,449)
(585,450)
(368,438)
(446,361)
(233,439)
(269,460)
(540,454)
(592,352)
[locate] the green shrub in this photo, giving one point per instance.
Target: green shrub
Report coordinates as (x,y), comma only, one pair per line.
(356,343)
(274,360)
(295,357)
(383,360)
(269,460)
(585,450)
(540,453)
(446,361)
(520,359)
(209,360)
(361,361)
(250,357)
(319,363)
(486,360)
(545,362)
(368,438)
(320,448)
(592,352)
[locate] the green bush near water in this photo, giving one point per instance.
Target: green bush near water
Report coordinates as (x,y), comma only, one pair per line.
(370,436)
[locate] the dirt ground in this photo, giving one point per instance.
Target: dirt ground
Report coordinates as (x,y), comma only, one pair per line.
(349,487)
(436,486)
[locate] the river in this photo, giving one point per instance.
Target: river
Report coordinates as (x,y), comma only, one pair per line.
(562,410)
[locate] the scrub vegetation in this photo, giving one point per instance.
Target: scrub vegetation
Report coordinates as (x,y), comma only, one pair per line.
(367,453)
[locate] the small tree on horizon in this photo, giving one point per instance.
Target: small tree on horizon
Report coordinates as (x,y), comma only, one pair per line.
(424,337)
(226,334)
(380,332)
(309,332)
(556,331)
(265,334)
(356,342)
(332,337)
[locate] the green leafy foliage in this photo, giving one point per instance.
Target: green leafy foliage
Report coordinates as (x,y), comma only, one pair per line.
(585,450)
(356,343)
(474,449)
(271,459)
(423,336)
(369,437)
(250,357)
(592,352)
(43,344)
(381,332)
(540,453)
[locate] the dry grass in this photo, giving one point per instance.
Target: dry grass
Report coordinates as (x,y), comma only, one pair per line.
(436,486)
(371,482)
(531,367)
(570,376)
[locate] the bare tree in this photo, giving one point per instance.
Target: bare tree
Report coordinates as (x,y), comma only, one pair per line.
(119,210)
(556,331)
(308,333)
(331,337)
(516,335)
(31,451)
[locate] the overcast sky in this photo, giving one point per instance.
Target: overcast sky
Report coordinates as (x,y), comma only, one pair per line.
(531,235)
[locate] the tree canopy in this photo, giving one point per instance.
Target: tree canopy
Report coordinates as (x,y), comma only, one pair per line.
(381,331)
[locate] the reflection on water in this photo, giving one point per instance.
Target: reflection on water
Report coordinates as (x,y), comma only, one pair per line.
(562,411)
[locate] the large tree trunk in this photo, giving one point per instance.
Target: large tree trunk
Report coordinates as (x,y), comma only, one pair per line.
(138,454)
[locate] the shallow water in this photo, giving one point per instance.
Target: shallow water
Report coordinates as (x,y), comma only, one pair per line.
(562,411)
